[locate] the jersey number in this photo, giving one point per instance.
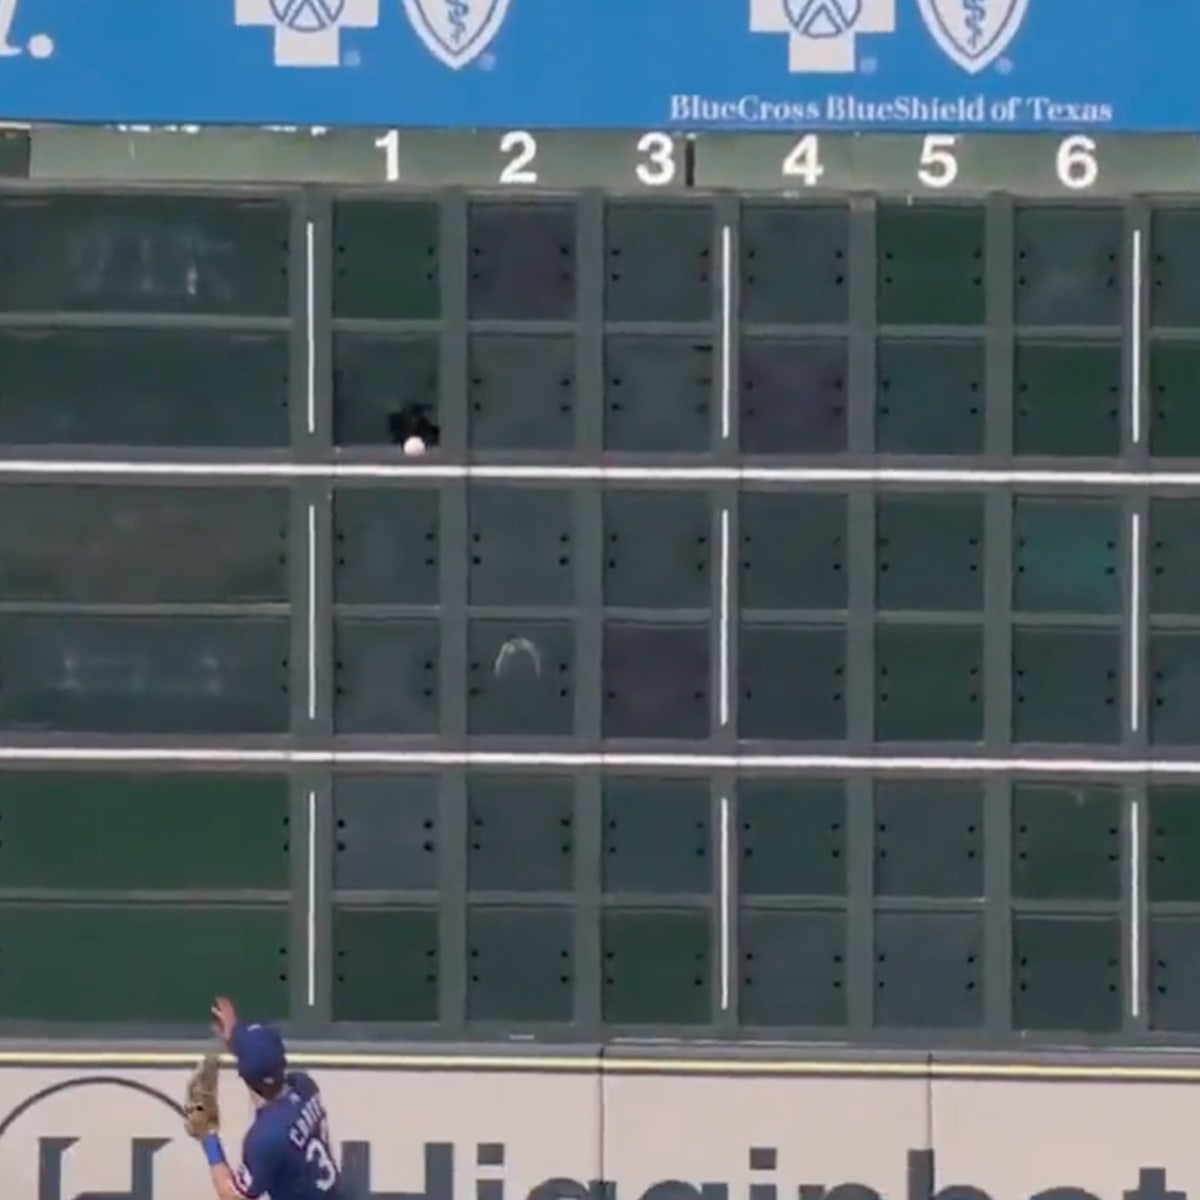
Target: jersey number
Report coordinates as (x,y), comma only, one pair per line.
(322,1164)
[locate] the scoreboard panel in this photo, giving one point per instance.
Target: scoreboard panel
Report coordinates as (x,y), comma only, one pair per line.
(799,570)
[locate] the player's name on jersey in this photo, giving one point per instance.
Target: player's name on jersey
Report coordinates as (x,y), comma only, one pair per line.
(651,161)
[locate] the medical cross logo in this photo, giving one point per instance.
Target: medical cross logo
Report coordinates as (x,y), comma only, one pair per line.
(821,33)
(308,32)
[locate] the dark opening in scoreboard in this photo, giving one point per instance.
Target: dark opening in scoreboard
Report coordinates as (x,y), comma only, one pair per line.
(807,558)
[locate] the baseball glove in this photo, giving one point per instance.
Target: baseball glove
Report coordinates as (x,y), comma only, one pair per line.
(201,1115)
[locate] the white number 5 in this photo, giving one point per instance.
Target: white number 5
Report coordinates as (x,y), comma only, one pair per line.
(939,167)
(326,1173)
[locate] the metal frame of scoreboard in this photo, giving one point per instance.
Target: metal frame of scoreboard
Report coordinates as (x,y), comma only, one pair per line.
(1076,168)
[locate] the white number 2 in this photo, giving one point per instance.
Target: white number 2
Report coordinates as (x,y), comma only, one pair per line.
(523,148)
(326,1173)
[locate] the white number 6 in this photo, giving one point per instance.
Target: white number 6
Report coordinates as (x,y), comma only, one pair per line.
(1075,163)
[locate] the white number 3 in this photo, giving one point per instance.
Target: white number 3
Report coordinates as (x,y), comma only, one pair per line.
(326,1173)
(659,168)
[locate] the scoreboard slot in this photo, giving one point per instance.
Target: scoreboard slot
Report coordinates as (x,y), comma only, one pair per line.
(656,550)
(1175,418)
(203,389)
(143,675)
(930,395)
(794,395)
(776,703)
(97,982)
(1070,267)
(153,255)
(70,830)
(521,673)
(522,392)
(402,285)
(659,264)
(1174,569)
(521,261)
(1085,711)
(1066,972)
(388,965)
(931,264)
(386,677)
(794,264)
(375,377)
(678,371)
(520,547)
(129,545)
(387,547)
(1068,397)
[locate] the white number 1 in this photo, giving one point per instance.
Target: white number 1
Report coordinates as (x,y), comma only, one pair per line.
(389,143)
(326,1173)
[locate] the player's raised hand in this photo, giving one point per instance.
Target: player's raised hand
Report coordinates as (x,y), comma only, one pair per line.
(224,1018)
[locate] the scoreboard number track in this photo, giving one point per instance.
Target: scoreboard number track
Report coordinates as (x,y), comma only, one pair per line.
(798,163)
(1076,166)
(1022,164)
(522,158)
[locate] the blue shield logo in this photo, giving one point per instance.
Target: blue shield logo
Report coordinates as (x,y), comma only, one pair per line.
(456,31)
(973,33)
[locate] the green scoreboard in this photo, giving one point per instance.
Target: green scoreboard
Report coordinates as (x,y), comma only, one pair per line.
(792,632)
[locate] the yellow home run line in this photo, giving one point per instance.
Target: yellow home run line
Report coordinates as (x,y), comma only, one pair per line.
(605,1065)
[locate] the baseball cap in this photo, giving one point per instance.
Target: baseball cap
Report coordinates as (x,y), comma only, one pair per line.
(260,1054)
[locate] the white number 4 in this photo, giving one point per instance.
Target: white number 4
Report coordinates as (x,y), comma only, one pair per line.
(803,161)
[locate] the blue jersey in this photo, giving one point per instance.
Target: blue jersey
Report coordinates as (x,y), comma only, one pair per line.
(287,1153)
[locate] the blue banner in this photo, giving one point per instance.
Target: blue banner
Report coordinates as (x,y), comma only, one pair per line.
(955,65)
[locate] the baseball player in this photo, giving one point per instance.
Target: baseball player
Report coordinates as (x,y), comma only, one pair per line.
(287,1153)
